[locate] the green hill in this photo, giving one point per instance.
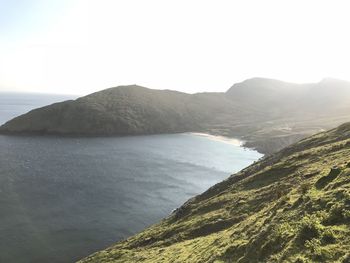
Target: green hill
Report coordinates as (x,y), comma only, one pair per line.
(123,110)
(293,206)
(267,114)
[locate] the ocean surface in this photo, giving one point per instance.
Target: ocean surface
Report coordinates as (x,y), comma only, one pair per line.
(64,198)
(14,104)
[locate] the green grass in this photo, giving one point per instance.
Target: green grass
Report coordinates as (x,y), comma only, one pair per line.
(293,206)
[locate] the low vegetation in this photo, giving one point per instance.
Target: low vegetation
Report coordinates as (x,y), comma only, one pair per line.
(292,206)
(267,114)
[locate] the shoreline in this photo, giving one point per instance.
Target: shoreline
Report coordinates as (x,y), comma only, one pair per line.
(220,138)
(253,146)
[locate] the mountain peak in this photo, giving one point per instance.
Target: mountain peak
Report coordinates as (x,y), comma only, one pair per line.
(329,80)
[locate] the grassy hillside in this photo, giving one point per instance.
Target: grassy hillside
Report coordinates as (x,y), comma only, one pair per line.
(124,110)
(293,206)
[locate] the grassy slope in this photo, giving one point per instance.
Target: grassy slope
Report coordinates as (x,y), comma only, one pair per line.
(293,206)
(124,110)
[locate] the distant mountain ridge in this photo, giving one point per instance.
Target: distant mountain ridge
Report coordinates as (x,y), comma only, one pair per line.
(268,114)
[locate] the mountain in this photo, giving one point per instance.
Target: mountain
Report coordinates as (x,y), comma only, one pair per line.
(267,114)
(124,110)
(279,98)
(283,113)
(292,206)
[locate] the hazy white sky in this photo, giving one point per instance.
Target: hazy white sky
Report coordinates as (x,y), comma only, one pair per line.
(80,46)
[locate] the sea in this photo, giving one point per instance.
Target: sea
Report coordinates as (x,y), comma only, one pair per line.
(63,198)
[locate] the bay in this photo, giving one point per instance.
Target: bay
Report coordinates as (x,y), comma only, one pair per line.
(62,198)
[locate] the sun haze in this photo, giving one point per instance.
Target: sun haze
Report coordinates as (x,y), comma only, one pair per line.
(82,46)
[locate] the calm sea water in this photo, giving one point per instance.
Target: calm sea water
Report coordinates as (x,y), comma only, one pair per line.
(64,198)
(14,104)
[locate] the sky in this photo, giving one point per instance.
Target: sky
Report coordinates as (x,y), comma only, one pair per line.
(81,46)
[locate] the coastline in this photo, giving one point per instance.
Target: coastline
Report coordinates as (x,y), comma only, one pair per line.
(220,138)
